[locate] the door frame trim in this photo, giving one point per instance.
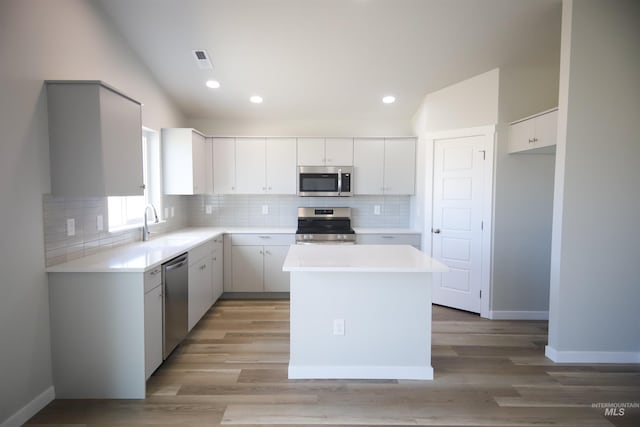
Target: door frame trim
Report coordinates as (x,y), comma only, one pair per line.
(489,134)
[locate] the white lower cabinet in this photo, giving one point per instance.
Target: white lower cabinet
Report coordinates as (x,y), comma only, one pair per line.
(152,330)
(412,239)
(200,282)
(152,320)
(217,268)
(256,263)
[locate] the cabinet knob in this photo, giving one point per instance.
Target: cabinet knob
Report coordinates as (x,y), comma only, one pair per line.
(264,188)
(435,230)
(143,186)
(531,140)
(268,253)
(261,252)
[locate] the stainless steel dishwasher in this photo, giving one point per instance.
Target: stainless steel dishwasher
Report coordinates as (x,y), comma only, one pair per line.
(175,277)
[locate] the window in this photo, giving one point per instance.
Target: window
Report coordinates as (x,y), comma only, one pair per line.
(127,211)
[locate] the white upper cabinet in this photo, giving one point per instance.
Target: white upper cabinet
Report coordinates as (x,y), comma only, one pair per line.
(184,162)
(95,140)
(254,165)
(384,166)
(325,151)
(250,165)
(224,165)
(536,134)
(281,165)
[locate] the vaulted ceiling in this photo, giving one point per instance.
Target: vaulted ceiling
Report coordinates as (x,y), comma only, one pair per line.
(329,59)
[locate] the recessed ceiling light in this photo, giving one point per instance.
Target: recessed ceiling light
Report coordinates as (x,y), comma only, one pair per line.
(389,99)
(213,84)
(256,99)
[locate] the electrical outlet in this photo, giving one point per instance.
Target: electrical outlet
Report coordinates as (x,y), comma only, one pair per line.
(99,223)
(376,209)
(265,209)
(166,213)
(208,209)
(173,212)
(71,227)
(338,327)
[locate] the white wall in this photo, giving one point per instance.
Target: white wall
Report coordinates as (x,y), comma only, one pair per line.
(595,285)
(65,39)
(273,127)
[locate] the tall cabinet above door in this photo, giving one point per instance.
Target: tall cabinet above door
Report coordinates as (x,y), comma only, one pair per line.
(185,162)
(95,140)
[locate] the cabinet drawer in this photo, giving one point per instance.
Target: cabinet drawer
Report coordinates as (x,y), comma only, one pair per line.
(152,278)
(389,239)
(202,251)
(262,239)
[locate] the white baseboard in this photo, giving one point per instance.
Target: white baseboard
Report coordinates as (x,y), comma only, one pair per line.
(30,409)
(361,372)
(518,315)
(591,356)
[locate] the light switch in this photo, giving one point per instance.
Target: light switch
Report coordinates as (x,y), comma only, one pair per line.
(99,223)
(338,327)
(166,213)
(173,212)
(71,227)
(265,209)
(376,209)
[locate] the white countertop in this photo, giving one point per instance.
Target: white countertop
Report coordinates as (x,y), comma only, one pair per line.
(360,258)
(142,256)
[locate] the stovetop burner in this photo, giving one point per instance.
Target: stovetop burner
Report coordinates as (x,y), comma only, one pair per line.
(325,225)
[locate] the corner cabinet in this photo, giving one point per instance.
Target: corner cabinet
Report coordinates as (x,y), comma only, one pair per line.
(95,140)
(534,134)
(185,162)
(384,165)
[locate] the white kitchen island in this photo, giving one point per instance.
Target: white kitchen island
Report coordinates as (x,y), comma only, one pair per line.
(360,311)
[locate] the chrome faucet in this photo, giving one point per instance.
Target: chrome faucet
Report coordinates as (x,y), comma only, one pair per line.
(145,228)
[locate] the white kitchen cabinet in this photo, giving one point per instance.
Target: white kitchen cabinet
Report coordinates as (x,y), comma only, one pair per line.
(250,166)
(256,262)
(208,166)
(152,320)
(325,151)
(224,165)
(200,287)
(412,239)
(217,268)
(534,134)
(281,165)
(95,140)
(384,166)
(262,166)
(275,280)
(184,163)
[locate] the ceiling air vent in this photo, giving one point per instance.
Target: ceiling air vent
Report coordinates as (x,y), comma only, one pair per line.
(202,59)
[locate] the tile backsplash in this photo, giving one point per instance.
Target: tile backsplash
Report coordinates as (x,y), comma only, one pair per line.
(281,211)
(226,210)
(87,240)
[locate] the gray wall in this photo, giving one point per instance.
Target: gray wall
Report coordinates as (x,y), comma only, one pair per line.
(39,40)
(523,197)
(595,284)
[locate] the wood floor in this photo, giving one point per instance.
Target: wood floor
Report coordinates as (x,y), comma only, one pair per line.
(232,369)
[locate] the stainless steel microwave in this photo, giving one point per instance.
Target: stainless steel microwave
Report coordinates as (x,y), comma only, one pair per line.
(325,181)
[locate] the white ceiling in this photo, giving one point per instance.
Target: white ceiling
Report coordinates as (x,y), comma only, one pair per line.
(329,59)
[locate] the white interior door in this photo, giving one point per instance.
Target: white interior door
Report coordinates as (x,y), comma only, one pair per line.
(457,228)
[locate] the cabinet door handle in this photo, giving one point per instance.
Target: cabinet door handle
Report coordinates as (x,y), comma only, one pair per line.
(154,272)
(435,230)
(261,253)
(268,253)
(203,266)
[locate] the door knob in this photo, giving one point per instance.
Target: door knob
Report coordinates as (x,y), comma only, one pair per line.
(435,230)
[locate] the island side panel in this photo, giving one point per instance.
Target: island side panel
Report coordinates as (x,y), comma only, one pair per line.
(387,325)
(97,335)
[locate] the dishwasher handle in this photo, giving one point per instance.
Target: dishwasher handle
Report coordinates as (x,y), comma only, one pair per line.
(176,262)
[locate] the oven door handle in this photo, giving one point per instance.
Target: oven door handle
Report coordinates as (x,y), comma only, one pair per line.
(339,181)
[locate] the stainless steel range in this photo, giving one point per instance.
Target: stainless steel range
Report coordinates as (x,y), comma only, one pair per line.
(325,225)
